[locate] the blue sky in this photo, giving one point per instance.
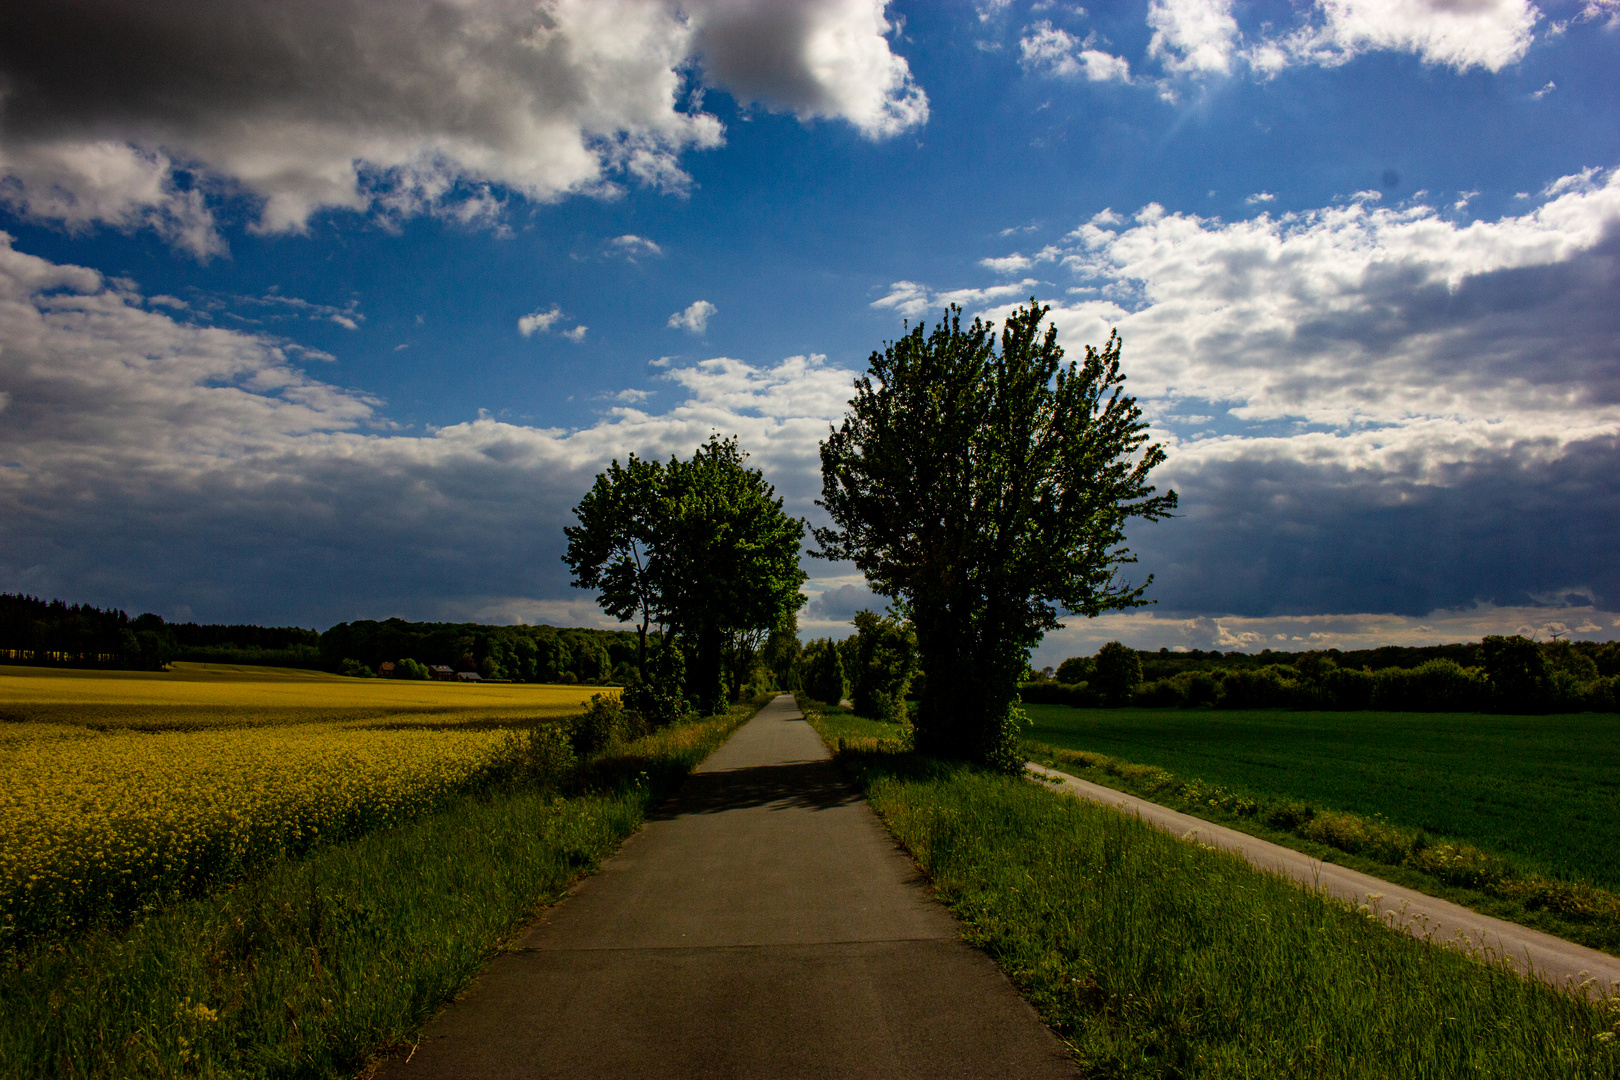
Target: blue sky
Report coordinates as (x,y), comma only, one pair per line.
(315,311)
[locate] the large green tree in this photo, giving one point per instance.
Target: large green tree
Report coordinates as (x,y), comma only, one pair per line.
(986,491)
(702,549)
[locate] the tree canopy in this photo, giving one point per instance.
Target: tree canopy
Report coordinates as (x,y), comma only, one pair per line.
(985,492)
(701,549)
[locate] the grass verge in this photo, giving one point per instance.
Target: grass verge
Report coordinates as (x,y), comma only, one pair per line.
(314,967)
(1456,871)
(1158,958)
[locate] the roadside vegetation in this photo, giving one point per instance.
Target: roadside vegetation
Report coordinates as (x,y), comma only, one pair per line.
(1509,815)
(314,965)
(1154,957)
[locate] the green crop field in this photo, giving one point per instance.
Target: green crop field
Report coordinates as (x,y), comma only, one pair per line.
(1542,791)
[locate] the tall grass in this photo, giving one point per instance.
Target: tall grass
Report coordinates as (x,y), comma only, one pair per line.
(1156,957)
(312,968)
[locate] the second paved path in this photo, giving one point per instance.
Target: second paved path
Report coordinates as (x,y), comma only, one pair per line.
(763,925)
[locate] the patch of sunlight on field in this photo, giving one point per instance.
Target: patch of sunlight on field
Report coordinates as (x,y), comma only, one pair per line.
(101,823)
(196,696)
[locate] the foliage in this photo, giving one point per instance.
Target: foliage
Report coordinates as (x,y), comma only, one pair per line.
(1157,958)
(781,653)
(1076,669)
(885,659)
(534,654)
(983,491)
(1118,672)
(699,548)
(1503,674)
(410,669)
(821,671)
(606,722)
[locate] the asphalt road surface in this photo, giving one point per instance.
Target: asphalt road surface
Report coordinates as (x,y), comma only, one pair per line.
(763,924)
(1546,957)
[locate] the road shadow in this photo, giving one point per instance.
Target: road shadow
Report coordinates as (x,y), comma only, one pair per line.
(812,785)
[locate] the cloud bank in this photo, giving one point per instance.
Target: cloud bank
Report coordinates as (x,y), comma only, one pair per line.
(148,115)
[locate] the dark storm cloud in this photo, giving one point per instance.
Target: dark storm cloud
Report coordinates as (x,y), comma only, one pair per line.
(1280,537)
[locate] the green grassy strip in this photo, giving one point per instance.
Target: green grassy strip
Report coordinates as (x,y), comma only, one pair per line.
(1451,869)
(1157,958)
(313,968)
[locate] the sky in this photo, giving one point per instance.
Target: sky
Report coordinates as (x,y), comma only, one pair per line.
(313,311)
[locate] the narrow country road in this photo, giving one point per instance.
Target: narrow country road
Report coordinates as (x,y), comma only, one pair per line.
(765,925)
(1550,958)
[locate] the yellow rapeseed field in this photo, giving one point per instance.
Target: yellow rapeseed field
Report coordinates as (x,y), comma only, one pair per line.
(123,788)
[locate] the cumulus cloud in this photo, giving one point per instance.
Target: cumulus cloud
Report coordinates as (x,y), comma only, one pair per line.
(694,318)
(1401,403)
(1193,35)
(816,58)
(160,463)
(148,115)
(1202,38)
(1057,53)
(1489,34)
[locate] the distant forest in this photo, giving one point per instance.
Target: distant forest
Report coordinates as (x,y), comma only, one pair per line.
(54,633)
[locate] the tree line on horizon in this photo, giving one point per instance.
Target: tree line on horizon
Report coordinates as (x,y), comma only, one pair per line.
(1496,674)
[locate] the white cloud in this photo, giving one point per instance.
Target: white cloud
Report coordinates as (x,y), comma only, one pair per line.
(911,299)
(1489,34)
(1057,53)
(1545,90)
(576,335)
(1008,264)
(816,58)
(630,246)
(539,321)
(1260,197)
(1198,36)
(405,107)
(695,318)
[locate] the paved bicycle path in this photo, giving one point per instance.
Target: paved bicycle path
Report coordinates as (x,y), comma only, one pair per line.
(1547,957)
(764,924)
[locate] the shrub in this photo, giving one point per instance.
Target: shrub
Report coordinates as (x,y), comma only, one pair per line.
(604,722)
(885,658)
(1348,688)
(1258,688)
(410,669)
(543,755)
(355,670)
(1434,686)
(1162,693)
(1075,670)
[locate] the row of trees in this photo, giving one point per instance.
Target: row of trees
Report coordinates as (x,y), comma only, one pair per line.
(54,633)
(876,667)
(981,484)
(701,557)
(1513,674)
(544,654)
